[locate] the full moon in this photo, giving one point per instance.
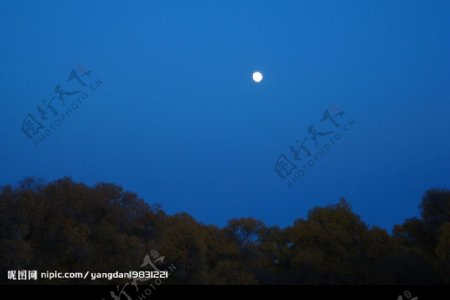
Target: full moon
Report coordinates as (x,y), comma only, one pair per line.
(257,77)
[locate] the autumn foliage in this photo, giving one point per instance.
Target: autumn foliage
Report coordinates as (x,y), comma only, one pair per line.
(68,226)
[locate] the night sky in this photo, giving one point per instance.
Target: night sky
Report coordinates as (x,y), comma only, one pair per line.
(158,97)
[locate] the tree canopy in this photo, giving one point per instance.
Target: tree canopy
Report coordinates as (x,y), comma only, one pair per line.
(71,227)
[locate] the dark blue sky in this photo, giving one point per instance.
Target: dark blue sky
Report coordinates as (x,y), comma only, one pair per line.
(178,119)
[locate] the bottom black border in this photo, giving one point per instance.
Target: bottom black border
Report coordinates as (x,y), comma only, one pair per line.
(297,292)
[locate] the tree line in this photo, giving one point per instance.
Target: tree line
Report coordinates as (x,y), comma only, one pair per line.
(69,227)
